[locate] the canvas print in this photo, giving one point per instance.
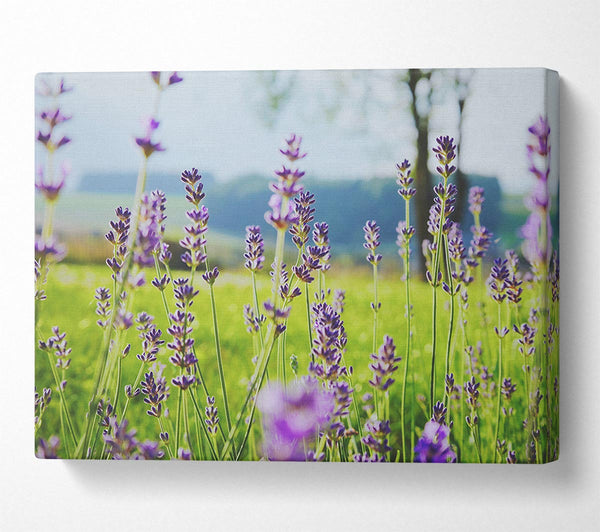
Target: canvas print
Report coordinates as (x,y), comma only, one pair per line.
(348,266)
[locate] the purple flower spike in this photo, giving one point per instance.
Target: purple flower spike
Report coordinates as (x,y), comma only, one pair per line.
(445,152)
(255,248)
(476,199)
(183,381)
(146,143)
(283,212)
(51,190)
(292,152)
(372,241)
(497,281)
(434,445)
(49,251)
(172,79)
(384,365)
(277,217)
(175,78)
(405,181)
(154,387)
(537,231)
(48,449)
(292,417)
(210,276)
(305,211)
(329,343)
(212,416)
(194,241)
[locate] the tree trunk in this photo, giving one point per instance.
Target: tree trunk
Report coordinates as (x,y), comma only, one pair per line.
(423,183)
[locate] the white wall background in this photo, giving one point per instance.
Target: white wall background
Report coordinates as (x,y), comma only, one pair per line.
(143,35)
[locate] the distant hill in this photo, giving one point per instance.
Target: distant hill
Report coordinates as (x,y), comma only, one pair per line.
(344,204)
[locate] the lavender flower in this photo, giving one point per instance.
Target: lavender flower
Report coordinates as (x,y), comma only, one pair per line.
(339,297)
(49,251)
(403,241)
(49,448)
(255,249)
(508,388)
(476,199)
(151,342)
(384,365)
(150,228)
(210,276)
(329,342)
(121,442)
(537,231)
(252,321)
(183,381)
(154,387)
(147,145)
(405,181)
(292,417)
(103,304)
(434,445)
(172,79)
(50,189)
(58,345)
(282,213)
(439,413)
(526,341)
(372,241)
(497,280)
(305,212)
(445,153)
(323,252)
(212,416)
(377,439)
(195,240)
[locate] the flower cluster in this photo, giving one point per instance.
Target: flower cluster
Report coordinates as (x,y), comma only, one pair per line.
(329,342)
(154,387)
(282,213)
(434,445)
(123,445)
(255,249)
(195,240)
(303,207)
(58,345)
(384,365)
(537,231)
(292,416)
(118,236)
(212,416)
(376,440)
(181,329)
(151,228)
(372,241)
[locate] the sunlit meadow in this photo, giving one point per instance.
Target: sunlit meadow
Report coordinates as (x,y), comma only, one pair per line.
(161,353)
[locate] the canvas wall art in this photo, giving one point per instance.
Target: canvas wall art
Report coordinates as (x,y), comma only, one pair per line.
(348,266)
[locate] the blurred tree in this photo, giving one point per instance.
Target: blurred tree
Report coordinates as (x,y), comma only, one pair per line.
(352,98)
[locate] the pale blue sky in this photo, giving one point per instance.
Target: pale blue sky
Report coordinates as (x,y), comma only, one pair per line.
(216,121)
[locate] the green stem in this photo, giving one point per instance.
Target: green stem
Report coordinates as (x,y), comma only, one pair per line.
(213,452)
(178,422)
(375,308)
(255,382)
(309,325)
(105,348)
(219,358)
(495,442)
(63,401)
(162,430)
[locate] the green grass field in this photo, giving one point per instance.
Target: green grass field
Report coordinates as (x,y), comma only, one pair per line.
(70,305)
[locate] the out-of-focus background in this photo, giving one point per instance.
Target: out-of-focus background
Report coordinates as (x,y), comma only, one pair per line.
(356,126)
